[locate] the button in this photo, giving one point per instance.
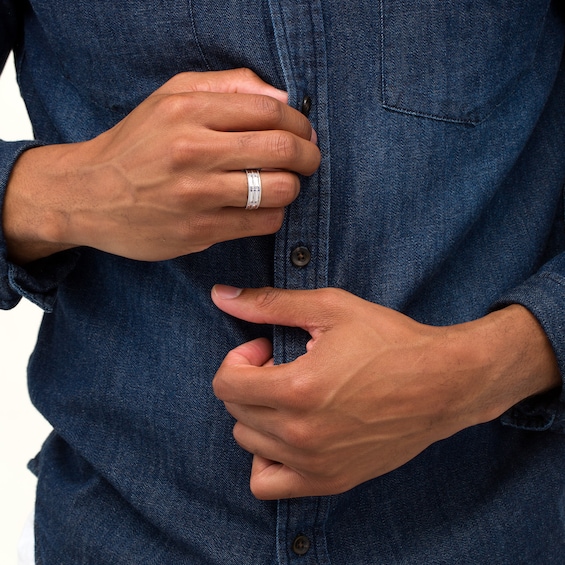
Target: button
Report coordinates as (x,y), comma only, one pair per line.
(306,105)
(300,256)
(301,545)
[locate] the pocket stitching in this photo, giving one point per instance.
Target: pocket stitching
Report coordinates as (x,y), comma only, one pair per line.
(444,118)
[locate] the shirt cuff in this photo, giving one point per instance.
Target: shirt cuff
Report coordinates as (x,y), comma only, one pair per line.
(38,281)
(544,296)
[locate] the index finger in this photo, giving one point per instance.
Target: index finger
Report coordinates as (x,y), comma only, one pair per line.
(233,80)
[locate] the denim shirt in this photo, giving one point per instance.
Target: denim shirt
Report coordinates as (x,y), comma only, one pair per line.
(442,131)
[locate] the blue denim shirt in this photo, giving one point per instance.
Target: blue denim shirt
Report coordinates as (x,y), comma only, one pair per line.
(442,131)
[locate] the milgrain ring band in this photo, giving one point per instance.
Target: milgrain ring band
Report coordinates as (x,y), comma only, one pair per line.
(253,189)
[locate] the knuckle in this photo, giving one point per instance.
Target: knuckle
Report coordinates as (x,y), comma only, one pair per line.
(284,188)
(245,73)
(300,390)
(245,224)
(268,297)
(176,82)
(247,141)
(302,394)
(269,110)
(298,435)
(284,145)
(197,232)
(272,220)
(173,106)
(180,151)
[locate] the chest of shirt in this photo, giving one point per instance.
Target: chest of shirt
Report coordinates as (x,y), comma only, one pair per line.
(405,97)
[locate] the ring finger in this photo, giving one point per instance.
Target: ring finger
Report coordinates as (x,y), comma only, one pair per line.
(278,188)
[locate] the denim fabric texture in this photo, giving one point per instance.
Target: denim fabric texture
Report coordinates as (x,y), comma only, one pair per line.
(440,194)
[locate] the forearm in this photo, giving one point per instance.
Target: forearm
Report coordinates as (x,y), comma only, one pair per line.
(512,360)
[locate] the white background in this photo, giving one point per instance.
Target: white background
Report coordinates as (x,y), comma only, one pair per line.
(22,429)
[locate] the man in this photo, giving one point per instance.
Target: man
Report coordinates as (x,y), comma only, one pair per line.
(384,337)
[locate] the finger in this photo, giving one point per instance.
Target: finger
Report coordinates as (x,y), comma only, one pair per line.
(232,81)
(278,188)
(241,112)
(307,309)
(263,418)
(239,384)
(236,223)
(256,352)
(271,480)
(262,443)
(237,151)
(240,376)
(276,471)
(272,149)
(242,81)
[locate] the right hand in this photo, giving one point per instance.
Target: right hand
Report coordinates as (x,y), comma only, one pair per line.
(167,180)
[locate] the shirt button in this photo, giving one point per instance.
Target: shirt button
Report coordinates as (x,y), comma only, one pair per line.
(301,545)
(306,105)
(300,256)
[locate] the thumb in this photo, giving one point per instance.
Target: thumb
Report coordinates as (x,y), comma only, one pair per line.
(293,308)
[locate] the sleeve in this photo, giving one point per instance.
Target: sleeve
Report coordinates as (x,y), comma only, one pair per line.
(544,296)
(38,281)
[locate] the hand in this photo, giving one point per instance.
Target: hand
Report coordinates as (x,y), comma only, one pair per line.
(168,179)
(373,389)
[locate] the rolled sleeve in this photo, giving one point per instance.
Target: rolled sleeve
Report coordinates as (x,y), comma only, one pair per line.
(38,281)
(544,296)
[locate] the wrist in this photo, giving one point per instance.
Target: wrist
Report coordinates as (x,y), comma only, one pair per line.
(33,214)
(512,359)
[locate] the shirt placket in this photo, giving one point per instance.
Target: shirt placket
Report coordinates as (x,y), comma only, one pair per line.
(302,245)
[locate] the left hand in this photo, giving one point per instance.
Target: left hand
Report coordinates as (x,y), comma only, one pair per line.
(373,390)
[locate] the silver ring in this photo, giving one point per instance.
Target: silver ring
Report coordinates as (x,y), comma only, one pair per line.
(253,189)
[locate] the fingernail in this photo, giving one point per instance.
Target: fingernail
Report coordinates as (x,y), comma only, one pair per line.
(226,292)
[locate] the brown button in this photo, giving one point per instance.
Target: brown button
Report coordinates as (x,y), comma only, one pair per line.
(300,256)
(306,105)
(301,545)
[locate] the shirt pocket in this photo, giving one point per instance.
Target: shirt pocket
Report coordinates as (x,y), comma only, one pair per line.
(456,61)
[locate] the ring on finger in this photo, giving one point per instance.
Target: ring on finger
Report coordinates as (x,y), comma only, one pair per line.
(253,189)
